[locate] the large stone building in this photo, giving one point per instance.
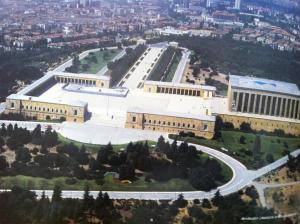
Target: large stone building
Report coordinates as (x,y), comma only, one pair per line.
(179,89)
(200,125)
(159,106)
(37,109)
(264,104)
(263,96)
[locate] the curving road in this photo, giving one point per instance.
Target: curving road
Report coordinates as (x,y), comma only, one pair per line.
(241,175)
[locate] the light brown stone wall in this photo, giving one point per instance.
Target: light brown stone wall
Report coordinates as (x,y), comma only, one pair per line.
(263,124)
(165,89)
(84,81)
(170,124)
(41,110)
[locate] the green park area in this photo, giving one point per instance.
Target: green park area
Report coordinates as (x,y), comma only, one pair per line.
(253,150)
(42,160)
(95,61)
(108,183)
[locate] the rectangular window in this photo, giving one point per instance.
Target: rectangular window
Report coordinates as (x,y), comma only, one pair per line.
(134,119)
(205,127)
(12,105)
(75,112)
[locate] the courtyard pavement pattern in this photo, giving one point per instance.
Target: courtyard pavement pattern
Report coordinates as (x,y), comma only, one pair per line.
(101,134)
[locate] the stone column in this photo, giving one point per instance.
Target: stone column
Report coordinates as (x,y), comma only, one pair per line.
(243,102)
(290,111)
(249,102)
(266,104)
(237,101)
(254,104)
(276,106)
(285,108)
(295,107)
(298,112)
(271,105)
(260,102)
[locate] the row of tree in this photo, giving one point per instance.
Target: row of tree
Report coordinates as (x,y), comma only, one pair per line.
(163,66)
(119,67)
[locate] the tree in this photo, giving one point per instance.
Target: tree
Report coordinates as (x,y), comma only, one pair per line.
(256,146)
(269,158)
(206,203)
(50,138)
(245,127)
(2,142)
(126,172)
(242,140)
(56,196)
(104,154)
(160,142)
(37,132)
(252,192)
(3,163)
(23,155)
(3,130)
(180,202)
(217,199)
(10,130)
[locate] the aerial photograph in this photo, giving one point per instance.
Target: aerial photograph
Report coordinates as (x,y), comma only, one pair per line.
(149,111)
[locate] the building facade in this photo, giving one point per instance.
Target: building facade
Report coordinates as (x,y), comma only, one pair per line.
(179,89)
(83,79)
(169,122)
(263,97)
(268,124)
(33,107)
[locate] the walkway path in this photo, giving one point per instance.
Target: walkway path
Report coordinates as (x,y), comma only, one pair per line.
(260,187)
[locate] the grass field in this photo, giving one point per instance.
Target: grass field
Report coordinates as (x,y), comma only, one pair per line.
(231,141)
(88,65)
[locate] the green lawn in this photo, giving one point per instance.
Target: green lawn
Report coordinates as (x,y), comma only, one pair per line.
(110,184)
(88,65)
(231,141)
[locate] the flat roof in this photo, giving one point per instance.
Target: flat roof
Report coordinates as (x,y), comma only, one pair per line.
(181,85)
(171,114)
(35,84)
(81,75)
(111,110)
(76,103)
(261,84)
